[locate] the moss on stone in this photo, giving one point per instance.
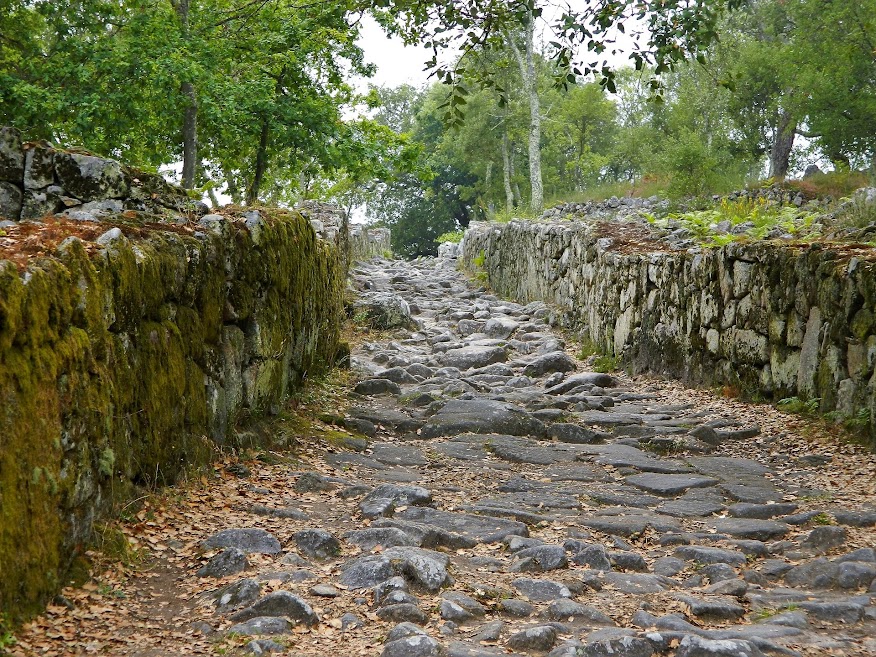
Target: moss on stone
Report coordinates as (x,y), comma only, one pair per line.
(103,366)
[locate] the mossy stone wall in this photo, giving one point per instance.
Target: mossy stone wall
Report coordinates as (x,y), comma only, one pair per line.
(773,319)
(127,361)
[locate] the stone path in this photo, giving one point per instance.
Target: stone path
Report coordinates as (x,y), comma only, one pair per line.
(509,502)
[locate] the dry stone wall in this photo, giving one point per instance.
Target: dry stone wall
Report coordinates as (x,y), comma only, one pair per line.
(130,348)
(366,242)
(37,180)
(773,319)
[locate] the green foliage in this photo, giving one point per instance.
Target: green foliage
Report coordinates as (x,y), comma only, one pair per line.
(7,639)
(760,217)
(106,462)
(856,212)
(836,184)
(268,79)
(454,237)
(480,260)
(822,519)
(798,406)
(504,216)
(606,364)
(603,360)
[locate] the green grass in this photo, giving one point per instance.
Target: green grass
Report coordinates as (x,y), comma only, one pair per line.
(7,640)
(834,183)
(769,612)
(606,364)
(817,497)
(856,213)
(647,186)
(503,216)
(587,348)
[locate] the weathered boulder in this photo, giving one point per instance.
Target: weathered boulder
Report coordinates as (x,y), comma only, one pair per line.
(90,178)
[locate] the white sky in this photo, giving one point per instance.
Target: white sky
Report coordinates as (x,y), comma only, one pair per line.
(396,63)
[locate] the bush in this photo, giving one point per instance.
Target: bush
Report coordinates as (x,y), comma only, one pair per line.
(455,237)
(834,183)
(859,211)
(689,164)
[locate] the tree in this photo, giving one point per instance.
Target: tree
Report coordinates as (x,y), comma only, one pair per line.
(580,131)
(190,117)
(246,92)
(834,48)
(442,193)
(526,62)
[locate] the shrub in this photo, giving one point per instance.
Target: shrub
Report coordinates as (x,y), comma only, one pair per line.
(455,237)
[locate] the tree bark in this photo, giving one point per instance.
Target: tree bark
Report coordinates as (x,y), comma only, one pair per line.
(488,176)
(261,165)
(783,142)
(344,237)
(506,171)
(211,192)
(231,184)
(190,118)
(190,136)
(526,63)
(518,197)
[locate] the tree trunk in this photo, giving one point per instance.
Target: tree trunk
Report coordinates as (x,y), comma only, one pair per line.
(506,171)
(488,177)
(518,197)
(190,136)
(783,142)
(190,118)
(210,191)
(344,246)
(231,184)
(252,195)
(214,202)
(526,63)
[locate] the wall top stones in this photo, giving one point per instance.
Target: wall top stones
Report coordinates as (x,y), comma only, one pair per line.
(38,180)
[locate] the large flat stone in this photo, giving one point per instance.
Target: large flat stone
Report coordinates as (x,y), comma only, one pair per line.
(519,450)
(541,590)
(622,456)
(483,529)
(760,530)
(281,604)
(670,485)
(632,524)
(555,361)
(466,358)
(583,379)
(481,416)
(637,583)
(708,555)
(383,500)
(398,454)
(247,540)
